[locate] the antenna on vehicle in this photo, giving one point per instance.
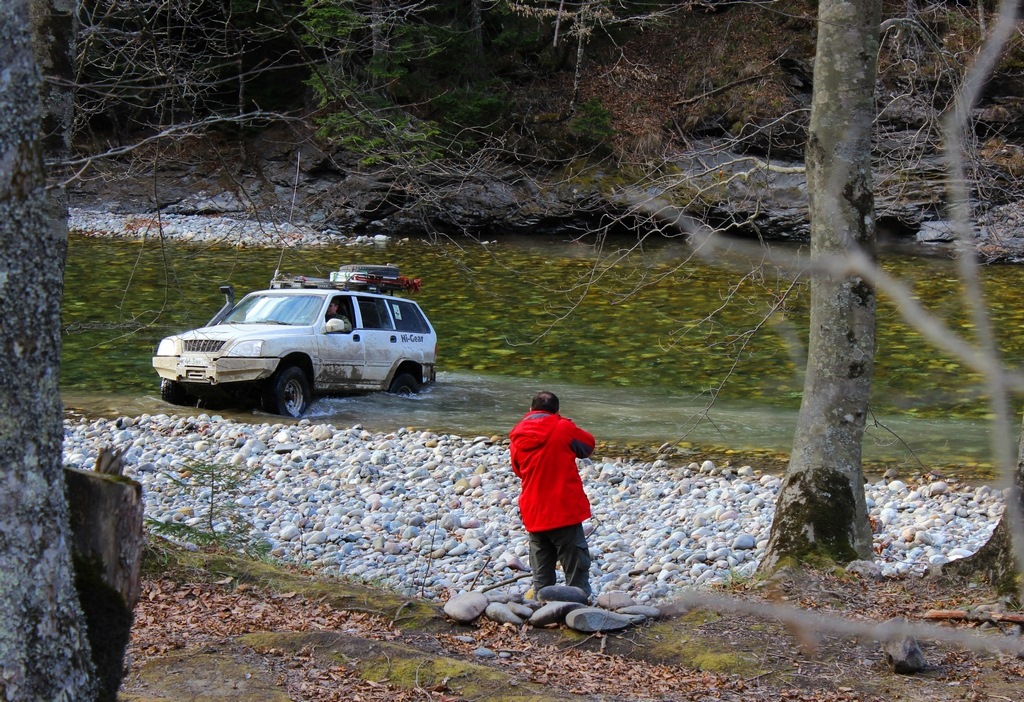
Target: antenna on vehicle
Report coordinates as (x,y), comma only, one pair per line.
(295,185)
(291,210)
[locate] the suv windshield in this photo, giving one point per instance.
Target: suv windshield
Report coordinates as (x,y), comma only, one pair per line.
(295,310)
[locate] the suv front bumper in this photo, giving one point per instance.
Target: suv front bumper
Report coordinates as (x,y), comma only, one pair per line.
(214,371)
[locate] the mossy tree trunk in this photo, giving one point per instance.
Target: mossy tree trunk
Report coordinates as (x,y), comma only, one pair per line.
(44,654)
(821,512)
(996,561)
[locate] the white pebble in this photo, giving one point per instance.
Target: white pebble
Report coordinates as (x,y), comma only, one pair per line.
(425,513)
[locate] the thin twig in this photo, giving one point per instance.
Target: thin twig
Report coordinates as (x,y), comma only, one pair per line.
(481,571)
(506,582)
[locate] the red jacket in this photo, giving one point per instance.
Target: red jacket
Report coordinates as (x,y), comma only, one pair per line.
(544,449)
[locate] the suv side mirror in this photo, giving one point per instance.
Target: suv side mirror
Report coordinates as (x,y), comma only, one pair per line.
(338,325)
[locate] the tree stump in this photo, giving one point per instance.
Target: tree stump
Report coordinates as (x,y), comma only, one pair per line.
(106,526)
(105,516)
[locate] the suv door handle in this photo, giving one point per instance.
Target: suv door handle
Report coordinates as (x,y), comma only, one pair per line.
(394,339)
(355,337)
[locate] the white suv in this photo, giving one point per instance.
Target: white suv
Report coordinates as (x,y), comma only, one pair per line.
(303,337)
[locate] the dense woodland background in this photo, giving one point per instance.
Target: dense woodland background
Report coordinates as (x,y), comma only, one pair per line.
(460,117)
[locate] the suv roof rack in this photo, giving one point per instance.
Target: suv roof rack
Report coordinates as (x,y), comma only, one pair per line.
(369,278)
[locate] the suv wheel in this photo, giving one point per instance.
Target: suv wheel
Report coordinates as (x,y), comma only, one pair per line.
(404,384)
(173,392)
(288,393)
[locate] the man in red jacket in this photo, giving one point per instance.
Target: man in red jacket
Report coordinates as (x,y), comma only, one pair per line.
(544,448)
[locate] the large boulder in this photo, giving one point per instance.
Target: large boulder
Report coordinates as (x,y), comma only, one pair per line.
(594,619)
(466,607)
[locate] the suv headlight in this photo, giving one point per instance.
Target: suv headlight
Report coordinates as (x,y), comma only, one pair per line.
(251,348)
(167,347)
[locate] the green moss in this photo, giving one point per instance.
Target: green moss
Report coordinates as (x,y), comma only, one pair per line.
(392,663)
(994,564)
(714,655)
(698,617)
(287,642)
(825,509)
(427,671)
(206,675)
(209,565)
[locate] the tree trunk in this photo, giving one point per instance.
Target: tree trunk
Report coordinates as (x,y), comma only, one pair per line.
(54,26)
(996,560)
(821,511)
(53,32)
(476,25)
(378,27)
(44,654)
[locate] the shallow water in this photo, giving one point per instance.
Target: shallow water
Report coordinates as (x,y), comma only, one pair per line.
(638,346)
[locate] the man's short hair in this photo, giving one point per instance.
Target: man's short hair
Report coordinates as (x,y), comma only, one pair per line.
(545,401)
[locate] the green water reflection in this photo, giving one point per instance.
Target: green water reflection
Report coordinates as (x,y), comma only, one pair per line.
(653,322)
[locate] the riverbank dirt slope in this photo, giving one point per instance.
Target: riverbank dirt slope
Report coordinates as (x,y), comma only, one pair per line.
(212,626)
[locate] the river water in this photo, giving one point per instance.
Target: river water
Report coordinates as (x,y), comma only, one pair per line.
(644,347)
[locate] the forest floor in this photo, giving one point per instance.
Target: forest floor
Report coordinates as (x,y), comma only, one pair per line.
(215,626)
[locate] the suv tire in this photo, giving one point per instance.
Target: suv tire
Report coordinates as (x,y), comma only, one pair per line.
(173,392)
(404,384)
(287,393)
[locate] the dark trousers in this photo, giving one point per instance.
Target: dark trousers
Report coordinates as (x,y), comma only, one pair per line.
(566,545)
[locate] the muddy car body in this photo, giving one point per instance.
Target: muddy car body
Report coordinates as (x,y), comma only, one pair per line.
(303,337)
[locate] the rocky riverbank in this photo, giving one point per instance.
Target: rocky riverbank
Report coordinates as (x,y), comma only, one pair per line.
(430,513)
(290,201)
(237,231)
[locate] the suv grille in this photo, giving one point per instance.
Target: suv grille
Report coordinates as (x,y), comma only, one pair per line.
(203,345)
